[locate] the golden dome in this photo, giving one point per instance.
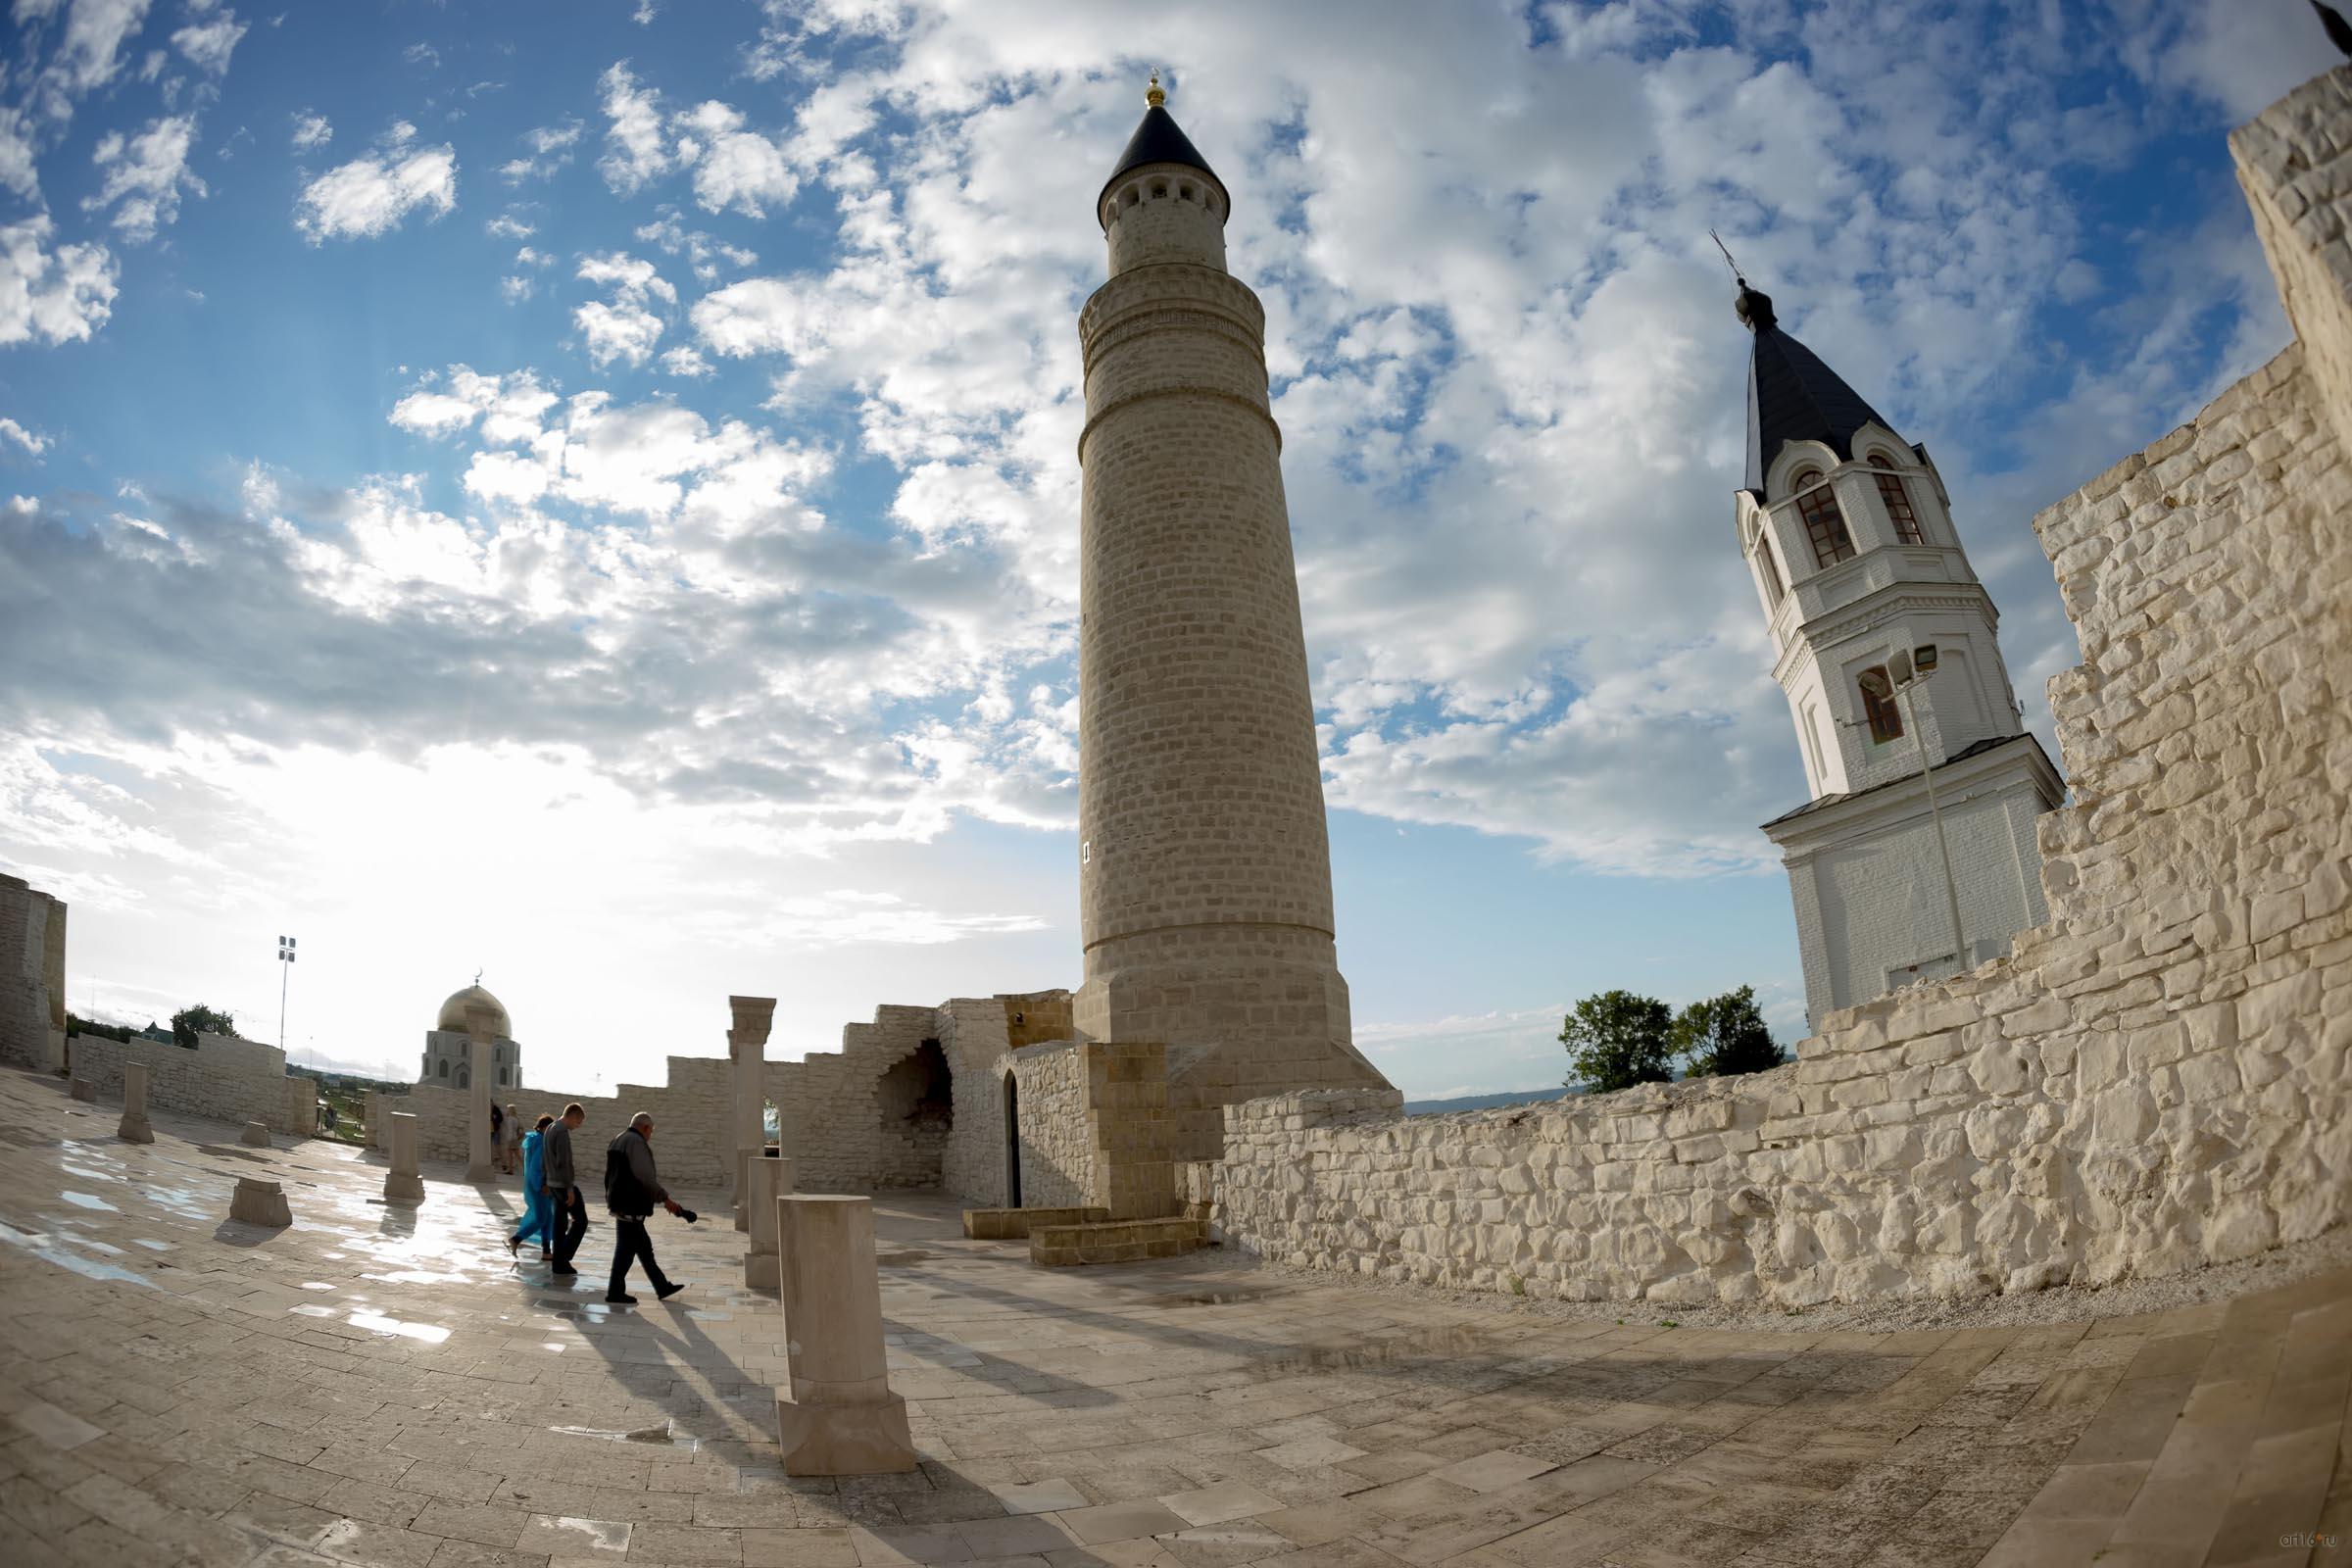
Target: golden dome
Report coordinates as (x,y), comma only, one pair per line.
(453,1012)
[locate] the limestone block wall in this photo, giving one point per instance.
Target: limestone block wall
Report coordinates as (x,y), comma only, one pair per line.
(33,976)
(1057,1147)
(2158,1076)
(690,1111)
(976,1034)
(223,1079)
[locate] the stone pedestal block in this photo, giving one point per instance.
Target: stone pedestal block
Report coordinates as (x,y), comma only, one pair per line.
(402,1184)
(838,1416)
(750,1021)
(481,1041)
(260,1202)
(255,1135)
(746,1198)
(84,1089)
(133,1127)
(767,1180)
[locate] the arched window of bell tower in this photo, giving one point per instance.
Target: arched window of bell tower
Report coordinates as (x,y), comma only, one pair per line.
(1825,522)
(1897,498)
(1159,190)
(1886,718)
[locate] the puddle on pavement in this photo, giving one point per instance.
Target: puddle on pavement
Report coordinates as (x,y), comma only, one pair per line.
(87,1201)
(664,1435)
(701,1315)
(307,1310)
(899,1260)
(152,1245)
(377,1322)
(52,1250)
(599,1537)
(1444,1344)
(1235,1297)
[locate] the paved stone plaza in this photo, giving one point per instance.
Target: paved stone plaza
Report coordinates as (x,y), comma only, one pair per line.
(382,1386)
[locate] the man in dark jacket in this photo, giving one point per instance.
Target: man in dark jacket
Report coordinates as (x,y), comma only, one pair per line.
(564,1198)
(631,1192)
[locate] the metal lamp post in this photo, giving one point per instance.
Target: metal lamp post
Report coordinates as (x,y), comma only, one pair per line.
(285,956)
(1905,670)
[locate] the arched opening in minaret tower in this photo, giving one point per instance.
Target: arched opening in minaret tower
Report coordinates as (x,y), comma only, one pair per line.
(916,1102)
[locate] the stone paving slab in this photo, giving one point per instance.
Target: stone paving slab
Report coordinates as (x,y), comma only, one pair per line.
(379,1385)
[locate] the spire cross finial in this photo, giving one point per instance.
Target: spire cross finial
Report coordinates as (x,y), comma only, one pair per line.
(1737,277)
(1152,94)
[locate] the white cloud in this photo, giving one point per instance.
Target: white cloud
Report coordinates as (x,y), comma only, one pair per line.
(686,361)
(371,195)
(506,226)
(551,149)
(33,443)
(209,41)
(627,327)
(312,130)
(733,167)
(52,296)
(703,253)
(145,175)
(18,157)
(88,56)
(515,287)
(636,147)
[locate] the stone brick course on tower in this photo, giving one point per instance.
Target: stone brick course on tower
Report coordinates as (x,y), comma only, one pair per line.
(1204,871)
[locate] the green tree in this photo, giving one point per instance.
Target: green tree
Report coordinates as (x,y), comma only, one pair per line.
(77,1024)
(1616,1040)
(190,1023)
(1724,1035)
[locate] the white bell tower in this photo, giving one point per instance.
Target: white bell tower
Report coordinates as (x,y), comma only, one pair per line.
(1848,534)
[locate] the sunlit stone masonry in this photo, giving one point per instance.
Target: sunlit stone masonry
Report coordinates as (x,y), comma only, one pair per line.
(2158,1076)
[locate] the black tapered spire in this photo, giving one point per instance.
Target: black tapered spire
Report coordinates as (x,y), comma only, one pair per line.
(1158,139)
(1791,395)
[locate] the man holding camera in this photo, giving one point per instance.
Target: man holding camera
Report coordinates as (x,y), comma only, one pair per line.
(631,1192)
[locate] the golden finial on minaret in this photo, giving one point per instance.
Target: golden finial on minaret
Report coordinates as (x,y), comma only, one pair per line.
(1152,94)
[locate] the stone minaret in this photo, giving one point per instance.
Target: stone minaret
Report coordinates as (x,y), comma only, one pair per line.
(1849,537)
(1204,873)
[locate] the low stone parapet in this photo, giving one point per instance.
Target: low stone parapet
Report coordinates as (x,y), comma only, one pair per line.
(1016,1224)
(1127,1240)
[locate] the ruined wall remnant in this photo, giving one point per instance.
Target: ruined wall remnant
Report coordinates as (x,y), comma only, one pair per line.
(2158,1077)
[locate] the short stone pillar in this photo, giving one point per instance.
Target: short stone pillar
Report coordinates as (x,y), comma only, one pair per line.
(134,1128)
(402,1184)
(260,1202)
(837,1415)
(481,1039)
(769,1179)
(747,1047)
(84,1089)
(255,1135)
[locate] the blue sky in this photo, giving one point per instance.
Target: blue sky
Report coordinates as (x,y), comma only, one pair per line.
(588,491)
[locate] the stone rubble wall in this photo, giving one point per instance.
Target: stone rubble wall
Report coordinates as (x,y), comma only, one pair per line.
(32,977)
(223,1079)
(2160,1076)
(690,1111)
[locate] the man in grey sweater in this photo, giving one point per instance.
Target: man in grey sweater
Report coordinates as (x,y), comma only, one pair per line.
(632,1190)
(562,1189)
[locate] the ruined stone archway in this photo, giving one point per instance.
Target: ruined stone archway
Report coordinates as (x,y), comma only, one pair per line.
(916,1102)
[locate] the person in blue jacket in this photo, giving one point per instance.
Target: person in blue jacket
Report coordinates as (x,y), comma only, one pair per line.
(538,1214)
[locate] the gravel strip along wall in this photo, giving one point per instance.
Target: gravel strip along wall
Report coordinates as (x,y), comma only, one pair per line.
(2156,1078)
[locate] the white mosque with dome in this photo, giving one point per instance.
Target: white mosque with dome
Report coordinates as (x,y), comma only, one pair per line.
(445,1054)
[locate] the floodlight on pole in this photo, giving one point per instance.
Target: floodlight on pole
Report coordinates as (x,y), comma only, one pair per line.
(285,956)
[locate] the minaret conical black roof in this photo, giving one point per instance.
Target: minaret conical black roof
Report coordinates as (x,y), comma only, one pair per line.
(1791,395)
(1158,139)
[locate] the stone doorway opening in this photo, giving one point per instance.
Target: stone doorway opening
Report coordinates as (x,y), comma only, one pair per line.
(917,1106)
(1012,1143)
